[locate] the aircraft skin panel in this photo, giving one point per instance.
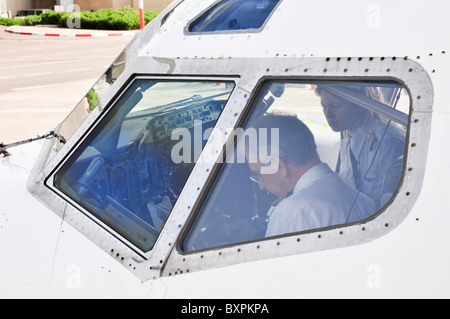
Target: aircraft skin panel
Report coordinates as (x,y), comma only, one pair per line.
(361,31)
(371,270)
(22,241)
(55,248)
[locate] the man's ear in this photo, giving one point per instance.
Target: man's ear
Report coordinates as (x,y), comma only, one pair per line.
(283,168)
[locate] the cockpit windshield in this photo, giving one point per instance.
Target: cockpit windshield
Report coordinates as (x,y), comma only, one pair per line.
(127,173)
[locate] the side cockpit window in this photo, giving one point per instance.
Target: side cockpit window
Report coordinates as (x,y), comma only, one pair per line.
(309,156)
(229,15)
(127,173)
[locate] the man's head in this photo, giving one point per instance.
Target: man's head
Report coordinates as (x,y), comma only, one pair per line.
(342,115)
(293,150)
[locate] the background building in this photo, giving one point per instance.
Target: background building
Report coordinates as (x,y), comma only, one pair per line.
(100,4)
(10,7)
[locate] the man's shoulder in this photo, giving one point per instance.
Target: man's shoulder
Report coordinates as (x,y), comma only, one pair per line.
(390,129)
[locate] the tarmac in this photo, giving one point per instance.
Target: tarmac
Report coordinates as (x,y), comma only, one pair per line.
(54,31)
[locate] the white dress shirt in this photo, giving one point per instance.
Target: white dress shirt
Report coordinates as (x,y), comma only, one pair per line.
(320,198)
(375,147)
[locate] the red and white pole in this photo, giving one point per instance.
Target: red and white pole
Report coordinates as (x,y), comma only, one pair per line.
(141,13)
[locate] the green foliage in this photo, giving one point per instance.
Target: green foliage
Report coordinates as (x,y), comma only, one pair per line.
(9,22)
(125,18)
(50,17)
(32,20)
(93,99)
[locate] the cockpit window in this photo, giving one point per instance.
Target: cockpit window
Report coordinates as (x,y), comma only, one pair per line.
(234,15)
(127,173)
(309,156)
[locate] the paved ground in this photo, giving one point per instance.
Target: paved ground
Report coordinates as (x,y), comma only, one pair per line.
(43,78)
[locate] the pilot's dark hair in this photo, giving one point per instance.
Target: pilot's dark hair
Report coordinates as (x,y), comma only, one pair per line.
(319,90)
(296,141)
(369,92)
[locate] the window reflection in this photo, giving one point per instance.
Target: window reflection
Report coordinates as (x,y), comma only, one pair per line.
(92,99)
(124,173)
(316,155)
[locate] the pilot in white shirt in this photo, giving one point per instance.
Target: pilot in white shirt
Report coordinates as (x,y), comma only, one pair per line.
(375,147)
(320,198)
(371,148)
(310,194)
